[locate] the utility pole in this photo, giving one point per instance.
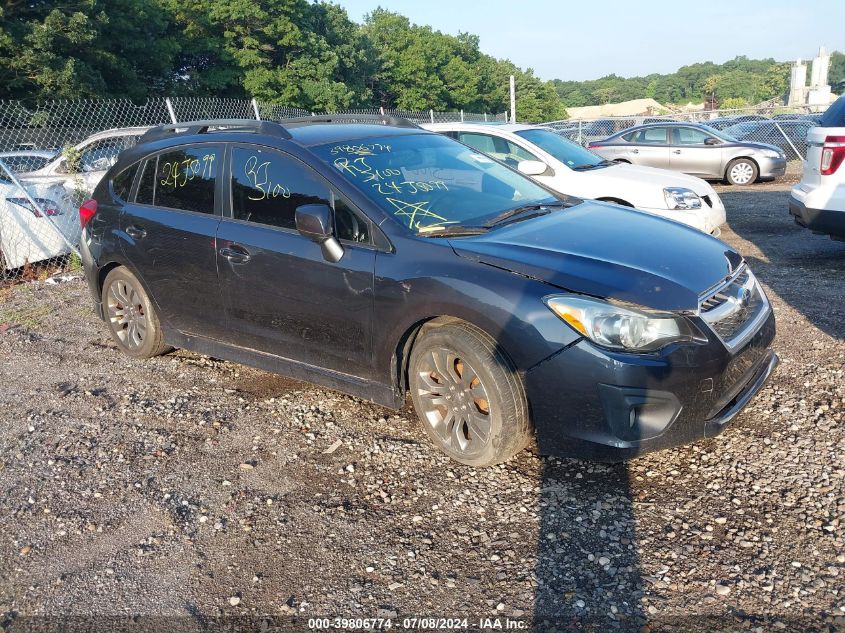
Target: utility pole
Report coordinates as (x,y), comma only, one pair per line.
(513,99)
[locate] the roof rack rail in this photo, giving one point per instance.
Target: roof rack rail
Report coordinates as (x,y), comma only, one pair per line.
(384,119)
(202,127)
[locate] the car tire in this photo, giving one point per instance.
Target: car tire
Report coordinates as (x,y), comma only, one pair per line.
(132,319)
(467,394)
(741,171)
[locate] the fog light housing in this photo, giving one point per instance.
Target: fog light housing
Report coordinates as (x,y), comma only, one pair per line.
(638,414)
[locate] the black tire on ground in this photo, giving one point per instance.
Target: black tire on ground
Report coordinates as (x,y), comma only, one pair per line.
(741,171)
(131,316)
(469,398)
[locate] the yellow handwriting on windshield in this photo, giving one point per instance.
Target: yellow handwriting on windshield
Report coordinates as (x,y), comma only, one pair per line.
(367,149)
(258,175)
(415,212)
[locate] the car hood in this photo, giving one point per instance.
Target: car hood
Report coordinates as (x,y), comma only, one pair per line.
(610,252)
(752,145)
(624,174)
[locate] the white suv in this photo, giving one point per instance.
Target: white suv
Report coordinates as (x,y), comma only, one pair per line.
(567,167)
(818,201)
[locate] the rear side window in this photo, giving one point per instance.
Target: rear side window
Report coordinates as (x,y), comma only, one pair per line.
(121,185)
(835,114)
(267,187)
(181,179)
(652,136)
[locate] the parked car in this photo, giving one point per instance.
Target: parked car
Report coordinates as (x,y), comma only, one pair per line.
(571,169)
(22,161)
(95,155)
(582,132)
(818,201)
(720,123)
(30,233)
(371,256)
(695,149)
(789,135)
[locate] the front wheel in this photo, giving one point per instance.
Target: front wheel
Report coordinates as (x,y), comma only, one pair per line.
(741,171)
(467,394)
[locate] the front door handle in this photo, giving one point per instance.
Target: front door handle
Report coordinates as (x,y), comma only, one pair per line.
(235,254)
(635,151)
(136,232)
(676,151)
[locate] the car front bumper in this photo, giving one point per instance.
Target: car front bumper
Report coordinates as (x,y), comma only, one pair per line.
(822,221)
(770,167)
(591,403)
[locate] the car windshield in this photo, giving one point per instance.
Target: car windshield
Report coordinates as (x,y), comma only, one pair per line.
(426,181)
(570,154)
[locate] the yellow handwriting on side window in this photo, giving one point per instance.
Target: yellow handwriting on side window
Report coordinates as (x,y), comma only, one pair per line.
(258,175)
(178,173)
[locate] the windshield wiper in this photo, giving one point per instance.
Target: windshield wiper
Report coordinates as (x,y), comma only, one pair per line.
(454,230)
(510,214)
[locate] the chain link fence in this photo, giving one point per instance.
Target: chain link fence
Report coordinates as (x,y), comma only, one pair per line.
(781,126)
(52,157)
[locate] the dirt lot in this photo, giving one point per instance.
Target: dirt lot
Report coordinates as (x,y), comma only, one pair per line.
(197,490)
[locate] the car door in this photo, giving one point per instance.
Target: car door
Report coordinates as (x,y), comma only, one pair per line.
(282,297)
(650,147)
(169,236)
(692,155)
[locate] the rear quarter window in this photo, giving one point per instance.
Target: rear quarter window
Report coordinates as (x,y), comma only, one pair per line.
(121,185)
(835,114)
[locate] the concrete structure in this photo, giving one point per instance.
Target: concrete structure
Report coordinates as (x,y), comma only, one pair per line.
(818,92)
(798,84)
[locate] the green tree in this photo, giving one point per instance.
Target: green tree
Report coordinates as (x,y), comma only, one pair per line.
(85,48)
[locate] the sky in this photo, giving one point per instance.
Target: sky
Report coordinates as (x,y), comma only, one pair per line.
(590,39)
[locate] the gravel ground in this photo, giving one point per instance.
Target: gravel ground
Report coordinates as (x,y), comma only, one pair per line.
(197,489)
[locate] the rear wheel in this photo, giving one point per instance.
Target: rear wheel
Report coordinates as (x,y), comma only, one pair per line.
(131,316)
(467,394)
(741,171)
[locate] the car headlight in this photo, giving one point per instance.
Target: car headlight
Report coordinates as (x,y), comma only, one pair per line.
(681,198)
(622,328)
(771,153)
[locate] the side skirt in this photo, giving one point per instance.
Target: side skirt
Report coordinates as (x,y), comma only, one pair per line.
(379,393)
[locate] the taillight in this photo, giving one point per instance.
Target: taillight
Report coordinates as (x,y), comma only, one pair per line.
(87,211)
(833,153)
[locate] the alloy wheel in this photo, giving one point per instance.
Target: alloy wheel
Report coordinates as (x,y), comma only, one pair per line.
(127,315)
(454,401)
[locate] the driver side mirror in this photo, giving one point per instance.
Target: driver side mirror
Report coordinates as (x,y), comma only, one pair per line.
(314,221)
(711,141)
(532,167)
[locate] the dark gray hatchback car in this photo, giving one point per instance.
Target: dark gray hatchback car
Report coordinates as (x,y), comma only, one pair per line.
(376,258)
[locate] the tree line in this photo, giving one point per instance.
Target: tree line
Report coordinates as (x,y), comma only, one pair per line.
(307,54)
(737,83)
(292,52)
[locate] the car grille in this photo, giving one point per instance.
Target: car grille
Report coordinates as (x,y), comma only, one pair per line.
(736,309)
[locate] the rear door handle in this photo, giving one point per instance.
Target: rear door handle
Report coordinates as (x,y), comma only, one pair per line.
(235,254)
(676,151)
(635,151)
(136,232)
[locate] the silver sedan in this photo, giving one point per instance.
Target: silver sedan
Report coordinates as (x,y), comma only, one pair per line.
(694,149)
